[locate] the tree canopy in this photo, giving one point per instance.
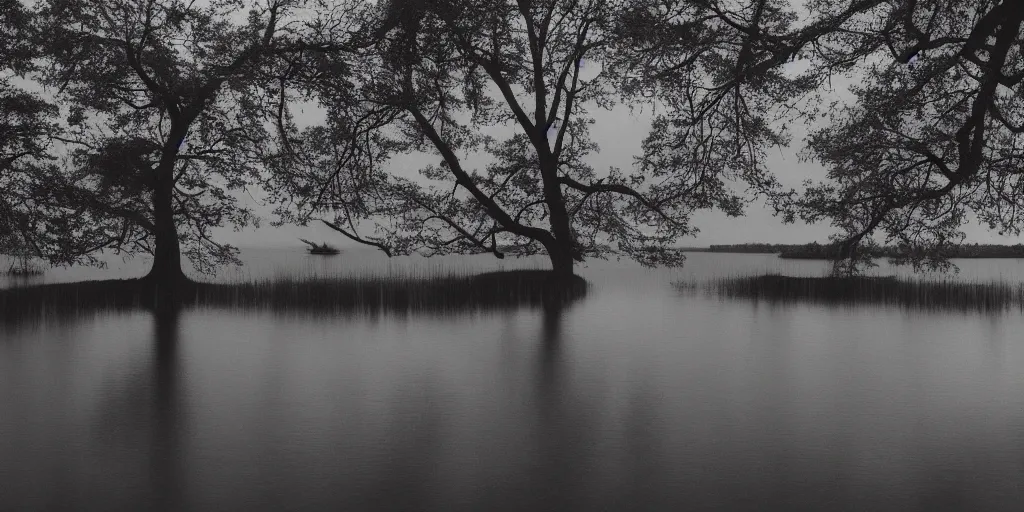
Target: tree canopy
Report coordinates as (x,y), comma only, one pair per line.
(163,124)
(934,136)
(519,82)
(25,126)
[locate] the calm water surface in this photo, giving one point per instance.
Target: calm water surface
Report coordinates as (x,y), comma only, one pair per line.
(640,397)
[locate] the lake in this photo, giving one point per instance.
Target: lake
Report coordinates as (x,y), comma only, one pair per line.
(639,397)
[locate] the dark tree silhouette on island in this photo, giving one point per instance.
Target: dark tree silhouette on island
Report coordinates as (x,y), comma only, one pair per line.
(163,125)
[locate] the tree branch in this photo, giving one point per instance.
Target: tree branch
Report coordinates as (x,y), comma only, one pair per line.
(354,237)
(619,189)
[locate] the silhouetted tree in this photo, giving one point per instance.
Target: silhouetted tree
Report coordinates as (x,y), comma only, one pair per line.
(934,136)
(163,124)
(444,73)
(329,172)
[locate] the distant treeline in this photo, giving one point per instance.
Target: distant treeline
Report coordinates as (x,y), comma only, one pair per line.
(816,251)
(754,248)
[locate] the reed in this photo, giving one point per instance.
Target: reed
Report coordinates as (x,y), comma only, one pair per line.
(22,265)
(885,291)
(445,294)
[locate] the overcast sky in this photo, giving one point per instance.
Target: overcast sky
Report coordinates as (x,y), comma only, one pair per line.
(619,133)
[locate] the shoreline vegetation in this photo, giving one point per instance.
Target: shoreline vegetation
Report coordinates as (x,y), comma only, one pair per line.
(444,294)
(883,291)
(21,265)
(817,251)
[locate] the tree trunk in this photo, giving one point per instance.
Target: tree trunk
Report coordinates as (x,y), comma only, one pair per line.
(166,274)
(561,260)
(561,251)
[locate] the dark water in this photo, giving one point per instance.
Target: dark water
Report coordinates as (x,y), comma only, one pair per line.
(638,398)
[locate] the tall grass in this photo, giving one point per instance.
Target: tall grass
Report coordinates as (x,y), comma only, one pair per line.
(440,295)
(496,290)
(886,291)
(21,265)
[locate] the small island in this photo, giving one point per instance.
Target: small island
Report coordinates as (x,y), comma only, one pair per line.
(816,251)
(321,249)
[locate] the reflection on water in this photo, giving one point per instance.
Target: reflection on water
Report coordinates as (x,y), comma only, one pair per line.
(168,417)
(637,398)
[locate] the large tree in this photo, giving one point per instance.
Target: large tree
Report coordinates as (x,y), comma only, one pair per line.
(163,122)
(330,172)
(444,74)
(26,124)
(934,135)
(439,73)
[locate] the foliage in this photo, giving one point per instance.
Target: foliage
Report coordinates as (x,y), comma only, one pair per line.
(934,137)
(730,74)
(173,109)
(26,124)
(164,122)
(449,78)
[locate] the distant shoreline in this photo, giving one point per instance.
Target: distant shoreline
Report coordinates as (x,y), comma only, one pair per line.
(816,251)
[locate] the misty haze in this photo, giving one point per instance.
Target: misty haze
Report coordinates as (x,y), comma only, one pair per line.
(523,255)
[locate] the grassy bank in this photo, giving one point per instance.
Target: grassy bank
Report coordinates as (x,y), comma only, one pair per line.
(887,291)
(441,294)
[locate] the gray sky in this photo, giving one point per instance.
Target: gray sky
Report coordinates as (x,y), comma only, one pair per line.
(619,134)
